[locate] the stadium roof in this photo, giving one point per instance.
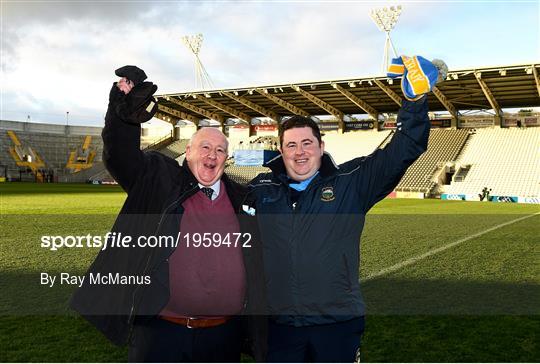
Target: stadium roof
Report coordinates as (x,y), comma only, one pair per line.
(494,88)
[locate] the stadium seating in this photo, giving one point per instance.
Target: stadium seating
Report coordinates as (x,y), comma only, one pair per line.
(244,174)
(444,146)
(24,155)
(82,157)
(504,160)
(175,149)
(53,149)
(344,147)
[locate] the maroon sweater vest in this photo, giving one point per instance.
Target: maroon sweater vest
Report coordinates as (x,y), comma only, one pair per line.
(206,281)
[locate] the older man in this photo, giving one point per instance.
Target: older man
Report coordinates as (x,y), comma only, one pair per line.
(188,301)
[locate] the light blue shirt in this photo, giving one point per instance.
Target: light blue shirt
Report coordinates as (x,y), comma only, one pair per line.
(300,186)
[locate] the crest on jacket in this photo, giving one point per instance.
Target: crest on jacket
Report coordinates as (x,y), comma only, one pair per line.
(327,194)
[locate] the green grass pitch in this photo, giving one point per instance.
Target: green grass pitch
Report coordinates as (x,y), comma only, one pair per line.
(474,301)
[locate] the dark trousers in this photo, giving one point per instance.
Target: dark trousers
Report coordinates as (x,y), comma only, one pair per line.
(330,343)
(157,340)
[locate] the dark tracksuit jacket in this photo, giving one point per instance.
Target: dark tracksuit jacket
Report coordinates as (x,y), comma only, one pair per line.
(311,247)
(156,186)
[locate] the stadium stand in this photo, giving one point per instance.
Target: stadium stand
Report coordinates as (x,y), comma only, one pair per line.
(169,147)
(25,157)
(44,149)
(444,146)
(504,160)
(254,142)
(244,174)
(343,147)
(174,149)
(70,153)
(457,162)
(82,157)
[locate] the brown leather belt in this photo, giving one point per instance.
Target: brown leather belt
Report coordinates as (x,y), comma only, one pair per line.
(195,322)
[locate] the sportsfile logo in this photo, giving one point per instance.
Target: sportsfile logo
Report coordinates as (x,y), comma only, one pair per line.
(119,240)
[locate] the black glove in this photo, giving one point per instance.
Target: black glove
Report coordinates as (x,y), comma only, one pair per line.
(139,105)
(132,73)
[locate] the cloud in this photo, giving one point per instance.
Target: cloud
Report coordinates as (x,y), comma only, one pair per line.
(61,56)
(54,12)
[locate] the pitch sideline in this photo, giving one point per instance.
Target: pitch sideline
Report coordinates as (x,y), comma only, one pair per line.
(413,260)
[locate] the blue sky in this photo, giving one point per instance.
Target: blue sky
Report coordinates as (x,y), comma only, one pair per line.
(60,56)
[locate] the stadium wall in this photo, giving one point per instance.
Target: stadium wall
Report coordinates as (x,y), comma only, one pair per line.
(506,199)
(50,128)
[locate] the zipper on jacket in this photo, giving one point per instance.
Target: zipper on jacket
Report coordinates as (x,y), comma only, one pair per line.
(314,182)
(293,253)
(239,212)
(294,241)
(133,312)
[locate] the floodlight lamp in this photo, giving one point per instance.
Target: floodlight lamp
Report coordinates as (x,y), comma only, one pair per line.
(193,42)
(235,93)
(529,71)
(502,72)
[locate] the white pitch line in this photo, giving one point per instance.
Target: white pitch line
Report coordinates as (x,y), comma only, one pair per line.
(413,260)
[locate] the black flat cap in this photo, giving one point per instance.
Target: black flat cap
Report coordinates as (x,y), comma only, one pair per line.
(132,73)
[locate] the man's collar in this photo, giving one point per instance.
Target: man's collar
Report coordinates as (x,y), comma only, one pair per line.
(301,186)
(328,166)
(216,187)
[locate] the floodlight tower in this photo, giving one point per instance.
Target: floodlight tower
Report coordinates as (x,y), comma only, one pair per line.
(202,78)
(386,19)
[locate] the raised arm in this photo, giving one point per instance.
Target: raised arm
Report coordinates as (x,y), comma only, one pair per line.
(379,173)
(129,105)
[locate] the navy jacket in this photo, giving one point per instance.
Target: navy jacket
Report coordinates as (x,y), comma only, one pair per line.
(311,248)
